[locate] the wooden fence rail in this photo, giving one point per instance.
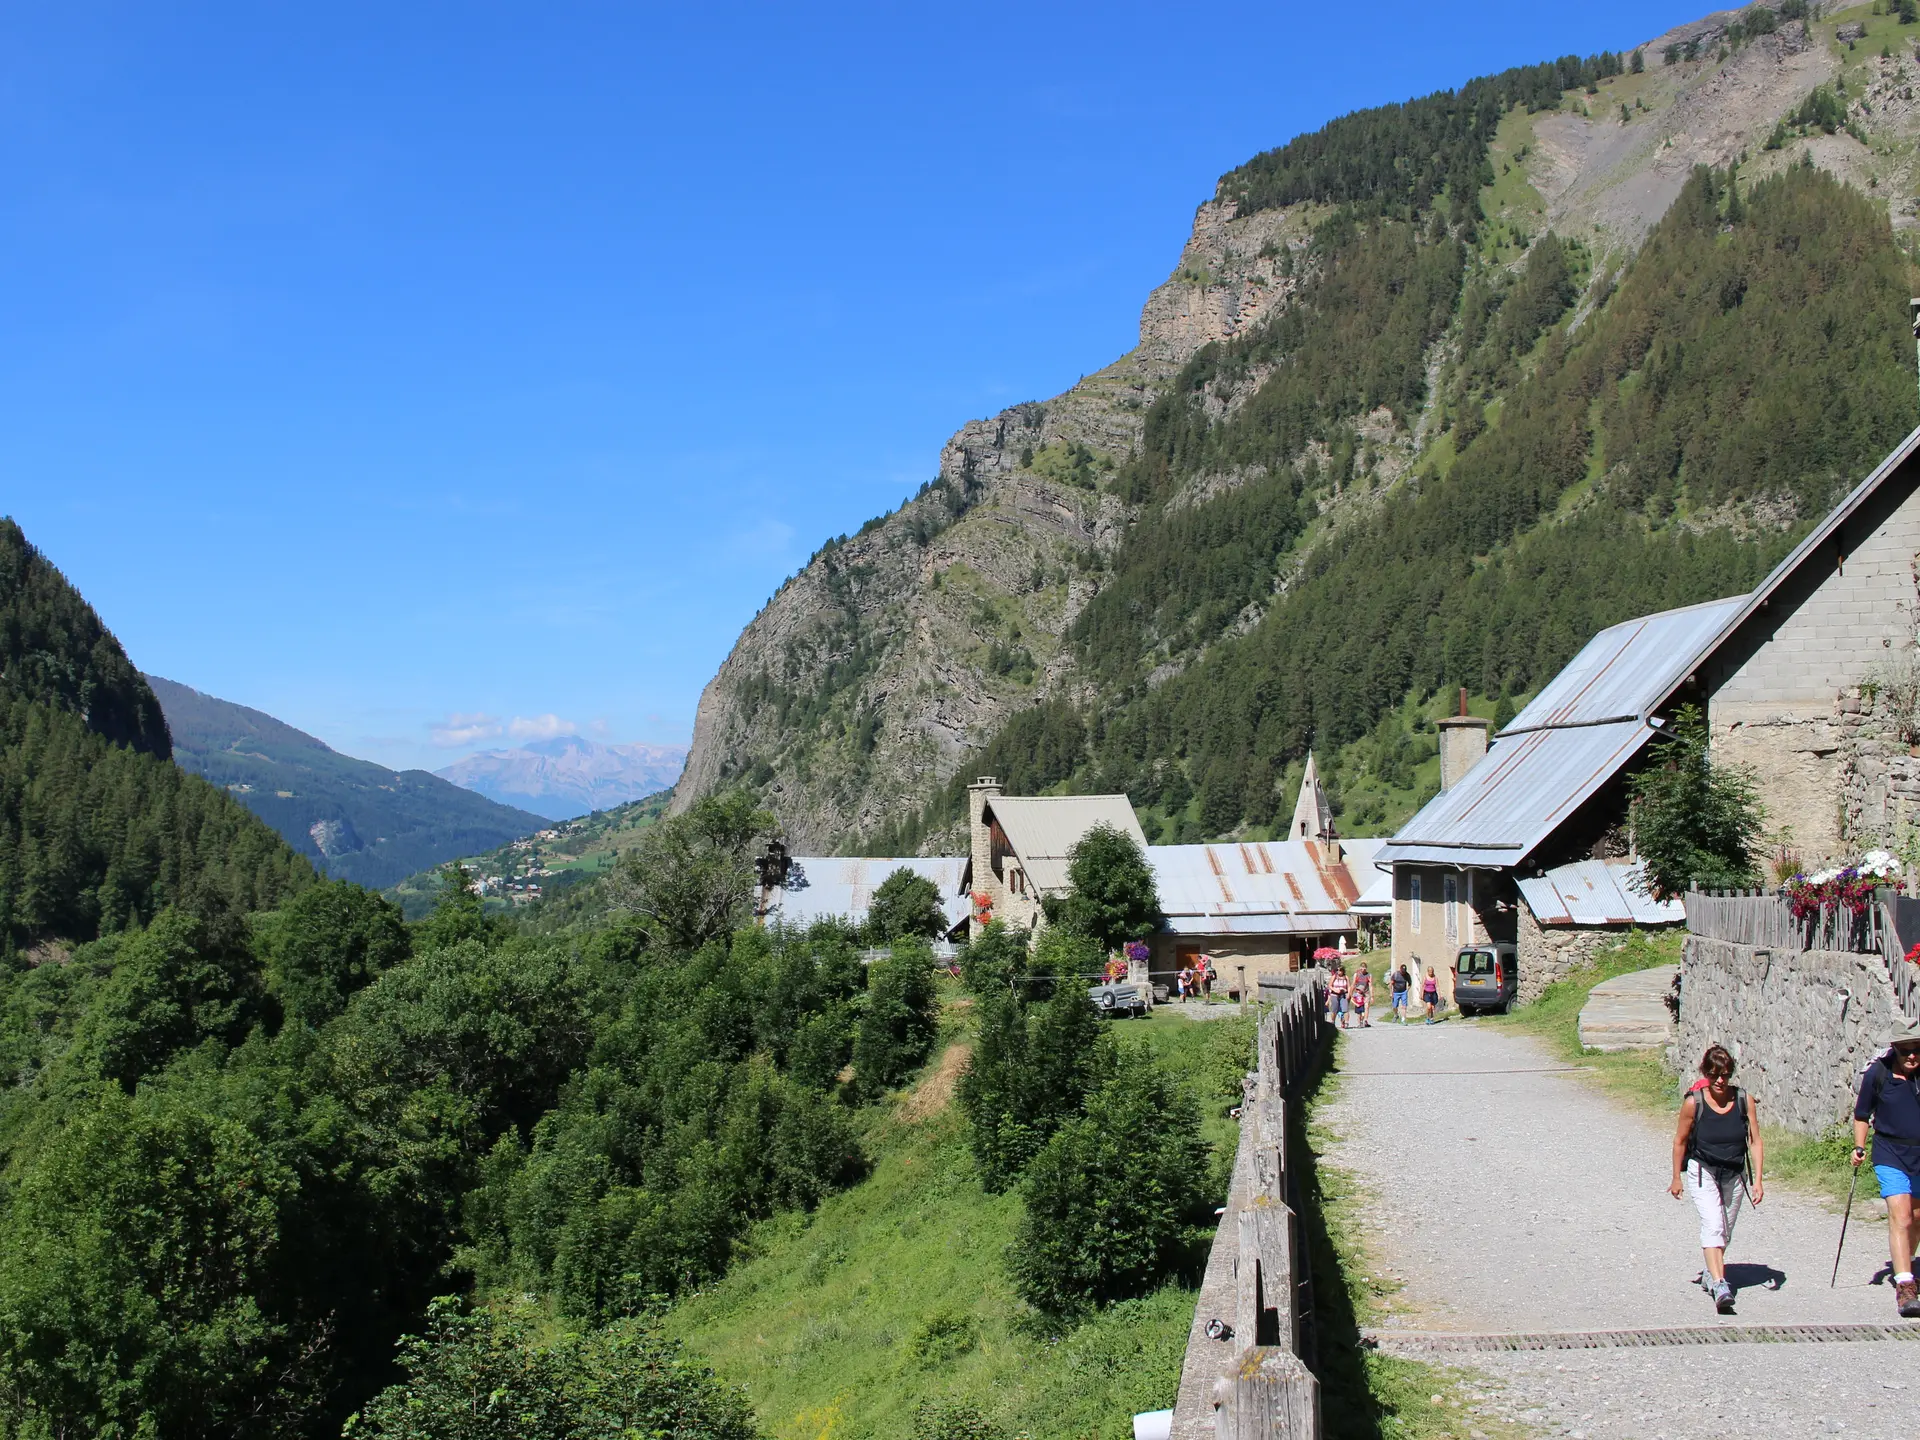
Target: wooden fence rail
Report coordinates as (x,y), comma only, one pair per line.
(1253,1381)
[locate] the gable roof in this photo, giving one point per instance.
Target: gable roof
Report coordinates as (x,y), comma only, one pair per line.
(1043,829)
(1821,536)
(1576,734)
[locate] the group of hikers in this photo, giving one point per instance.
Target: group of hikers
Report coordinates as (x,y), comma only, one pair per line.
(1350,998)
(1719,1158)
(1195,977)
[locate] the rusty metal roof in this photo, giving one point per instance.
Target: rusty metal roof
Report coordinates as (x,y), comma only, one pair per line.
(1515,798)
(1596,892)
(1043,829)
(841,887)
(1625,670)
(1264,878)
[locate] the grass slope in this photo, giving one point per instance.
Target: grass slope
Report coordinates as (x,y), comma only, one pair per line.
(895,1295)
(379,825)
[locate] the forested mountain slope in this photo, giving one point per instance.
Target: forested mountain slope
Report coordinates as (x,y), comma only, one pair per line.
(99,829)
(1434,393)
(356,820)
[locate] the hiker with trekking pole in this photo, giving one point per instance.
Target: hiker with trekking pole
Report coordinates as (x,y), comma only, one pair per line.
(1889,1100)
(1716,1147)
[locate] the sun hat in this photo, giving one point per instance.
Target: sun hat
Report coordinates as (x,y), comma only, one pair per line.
(1903,1031)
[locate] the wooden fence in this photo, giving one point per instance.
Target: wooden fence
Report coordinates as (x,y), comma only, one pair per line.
(1889,927)
(1247,1377)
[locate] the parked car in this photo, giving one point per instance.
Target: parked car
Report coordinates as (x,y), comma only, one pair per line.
(1486,977)
(1123,998)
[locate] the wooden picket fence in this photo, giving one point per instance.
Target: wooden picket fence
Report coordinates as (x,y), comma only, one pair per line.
(1888,927)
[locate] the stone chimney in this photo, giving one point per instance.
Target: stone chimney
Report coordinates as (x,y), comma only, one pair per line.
(983,790)
(1463,740)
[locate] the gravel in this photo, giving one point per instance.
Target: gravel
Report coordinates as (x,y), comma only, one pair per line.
(1505,1193)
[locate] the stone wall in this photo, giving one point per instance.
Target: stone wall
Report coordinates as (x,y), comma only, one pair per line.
(1802,1023)
(1553,952)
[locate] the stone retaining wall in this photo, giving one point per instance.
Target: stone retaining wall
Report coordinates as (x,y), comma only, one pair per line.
(1802,1023)
(1552,952)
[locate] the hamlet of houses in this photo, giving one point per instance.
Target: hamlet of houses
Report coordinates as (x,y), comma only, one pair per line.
(1812,681)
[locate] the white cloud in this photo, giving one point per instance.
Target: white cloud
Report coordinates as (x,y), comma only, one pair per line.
(458,730)
(540,727)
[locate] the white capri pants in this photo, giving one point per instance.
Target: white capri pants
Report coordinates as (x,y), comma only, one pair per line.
(1717,1195)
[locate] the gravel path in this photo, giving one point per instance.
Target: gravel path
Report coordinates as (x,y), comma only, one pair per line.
(1504,1193)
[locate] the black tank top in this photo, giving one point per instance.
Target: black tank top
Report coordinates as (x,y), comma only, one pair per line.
(1720,1140)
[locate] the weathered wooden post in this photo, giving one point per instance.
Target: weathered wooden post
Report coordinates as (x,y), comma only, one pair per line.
(1267,1394)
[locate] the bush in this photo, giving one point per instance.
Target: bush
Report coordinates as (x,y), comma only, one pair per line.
(897,1031)
(1109,1197)
(332,940)
(1031,1069)
(1113,898)
(905,906)
(490,1376)
(996,959)
(1694,822)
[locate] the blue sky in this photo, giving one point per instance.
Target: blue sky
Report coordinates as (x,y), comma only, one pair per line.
(410,371)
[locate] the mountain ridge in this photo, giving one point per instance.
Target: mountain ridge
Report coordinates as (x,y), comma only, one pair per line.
(951,631)
(352,818)
(568,776)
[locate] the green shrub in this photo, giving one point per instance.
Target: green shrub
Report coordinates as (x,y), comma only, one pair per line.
(906,905)
(1031,1070)
(492,1376)
(1110,1196)
(897,1030)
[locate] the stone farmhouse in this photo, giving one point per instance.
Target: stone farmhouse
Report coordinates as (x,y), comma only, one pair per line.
(1812,680)
(1255,907)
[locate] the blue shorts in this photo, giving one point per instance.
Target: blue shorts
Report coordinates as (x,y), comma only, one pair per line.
(1399,999)
(1893,1180)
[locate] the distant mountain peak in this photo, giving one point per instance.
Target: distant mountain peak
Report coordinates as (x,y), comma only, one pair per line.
(569,775)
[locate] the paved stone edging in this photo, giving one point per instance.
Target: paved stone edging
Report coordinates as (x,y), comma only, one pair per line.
(1424,1342)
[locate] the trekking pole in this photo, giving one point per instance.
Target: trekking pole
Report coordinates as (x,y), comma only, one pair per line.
(1843,1228)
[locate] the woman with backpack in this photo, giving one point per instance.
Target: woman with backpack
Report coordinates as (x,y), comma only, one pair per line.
(1337,994)
(1714,1144)
(1890,1099)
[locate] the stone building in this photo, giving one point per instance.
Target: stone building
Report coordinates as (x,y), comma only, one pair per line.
(1541,805)
(1255,907)
(1020,845)
(1813,680)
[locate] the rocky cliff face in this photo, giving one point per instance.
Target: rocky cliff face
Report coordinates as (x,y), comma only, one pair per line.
(860,688)
(864,682)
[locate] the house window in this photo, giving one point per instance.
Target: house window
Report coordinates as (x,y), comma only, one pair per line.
(1450,892)
(1413,898)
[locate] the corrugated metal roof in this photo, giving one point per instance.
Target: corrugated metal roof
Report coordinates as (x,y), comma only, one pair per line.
(1514,798)
(1625,670)
(841,887)
(1043,829)
(1596,892)
(1249,878)
(1313,924)
(1376,885)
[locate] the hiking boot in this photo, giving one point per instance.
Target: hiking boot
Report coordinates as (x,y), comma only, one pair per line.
(1723,1298)
(1906,1296)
